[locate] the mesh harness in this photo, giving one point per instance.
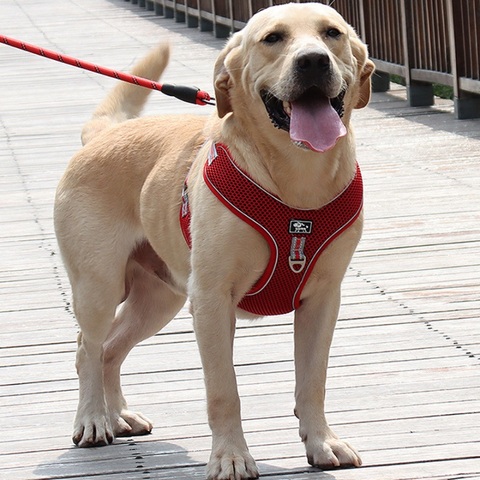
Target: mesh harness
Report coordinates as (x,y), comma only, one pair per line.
(296,237)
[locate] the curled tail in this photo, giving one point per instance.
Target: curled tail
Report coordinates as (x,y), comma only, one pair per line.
(127,100)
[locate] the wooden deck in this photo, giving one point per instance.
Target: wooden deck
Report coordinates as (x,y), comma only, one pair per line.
(404,378)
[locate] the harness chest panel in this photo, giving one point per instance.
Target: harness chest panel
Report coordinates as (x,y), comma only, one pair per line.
(296,237)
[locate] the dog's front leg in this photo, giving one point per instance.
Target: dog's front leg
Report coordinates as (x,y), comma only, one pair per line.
(214,321)
(314,326)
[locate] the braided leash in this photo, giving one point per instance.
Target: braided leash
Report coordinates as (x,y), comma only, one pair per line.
(186,94)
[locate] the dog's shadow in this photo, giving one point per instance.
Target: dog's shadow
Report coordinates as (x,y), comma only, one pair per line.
(145,459)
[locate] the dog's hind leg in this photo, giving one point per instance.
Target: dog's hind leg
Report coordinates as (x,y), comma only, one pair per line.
(95,248)
(150,305)
(95,298)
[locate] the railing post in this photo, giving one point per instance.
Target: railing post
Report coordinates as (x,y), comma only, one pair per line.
(419,94)
(203,24)
(380,80)
(192,20)
(179,15)
(364,13)
(232,16)
(159,8)
(466,105)
(168,11)
(219,30)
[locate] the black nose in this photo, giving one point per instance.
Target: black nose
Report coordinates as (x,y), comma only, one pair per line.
(312,65)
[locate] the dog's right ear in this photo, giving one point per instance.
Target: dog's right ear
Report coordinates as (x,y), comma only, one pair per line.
(222,79)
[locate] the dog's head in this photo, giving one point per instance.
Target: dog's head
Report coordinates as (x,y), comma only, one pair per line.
(300,67)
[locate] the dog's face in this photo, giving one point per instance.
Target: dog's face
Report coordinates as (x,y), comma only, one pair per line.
(299,65)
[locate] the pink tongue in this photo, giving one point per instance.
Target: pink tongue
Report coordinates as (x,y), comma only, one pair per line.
(316,124)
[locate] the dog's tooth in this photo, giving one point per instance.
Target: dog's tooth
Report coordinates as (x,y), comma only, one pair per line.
(288,108)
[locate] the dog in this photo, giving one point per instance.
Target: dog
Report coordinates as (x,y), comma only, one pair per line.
(135,232)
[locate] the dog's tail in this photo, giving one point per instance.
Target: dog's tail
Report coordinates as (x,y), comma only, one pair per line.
(127,100)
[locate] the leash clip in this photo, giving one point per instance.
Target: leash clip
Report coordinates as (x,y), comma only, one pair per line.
(187,94)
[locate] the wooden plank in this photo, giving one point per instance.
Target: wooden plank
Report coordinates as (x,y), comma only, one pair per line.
(404,377)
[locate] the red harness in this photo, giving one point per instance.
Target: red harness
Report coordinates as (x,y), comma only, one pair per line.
(296,237)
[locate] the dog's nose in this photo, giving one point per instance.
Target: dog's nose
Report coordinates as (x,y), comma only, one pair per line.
(312,65)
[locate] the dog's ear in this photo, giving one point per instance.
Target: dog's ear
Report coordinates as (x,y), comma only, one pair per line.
(365,68)
(365,82)
(222,80)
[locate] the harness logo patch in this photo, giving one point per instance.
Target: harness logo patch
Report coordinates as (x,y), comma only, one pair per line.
(300,226)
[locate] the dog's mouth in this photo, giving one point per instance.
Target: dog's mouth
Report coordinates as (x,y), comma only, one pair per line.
(313,120)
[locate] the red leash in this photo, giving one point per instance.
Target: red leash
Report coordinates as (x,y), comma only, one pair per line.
(186,94)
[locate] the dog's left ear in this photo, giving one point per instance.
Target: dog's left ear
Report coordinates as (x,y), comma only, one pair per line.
(366,68)
(222,80)
(365,84)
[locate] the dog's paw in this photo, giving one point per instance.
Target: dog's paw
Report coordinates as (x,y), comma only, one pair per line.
(331,453)
(231,465)
(131,423)
(94,431)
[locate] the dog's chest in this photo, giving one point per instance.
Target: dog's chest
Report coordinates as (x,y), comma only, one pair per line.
(296,237)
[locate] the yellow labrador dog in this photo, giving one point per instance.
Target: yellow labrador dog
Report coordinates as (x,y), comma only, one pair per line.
(285,89)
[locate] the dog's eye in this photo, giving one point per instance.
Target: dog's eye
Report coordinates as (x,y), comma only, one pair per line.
(273,38)
(333,33)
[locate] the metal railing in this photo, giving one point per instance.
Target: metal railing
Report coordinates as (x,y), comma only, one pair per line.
(424,41)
